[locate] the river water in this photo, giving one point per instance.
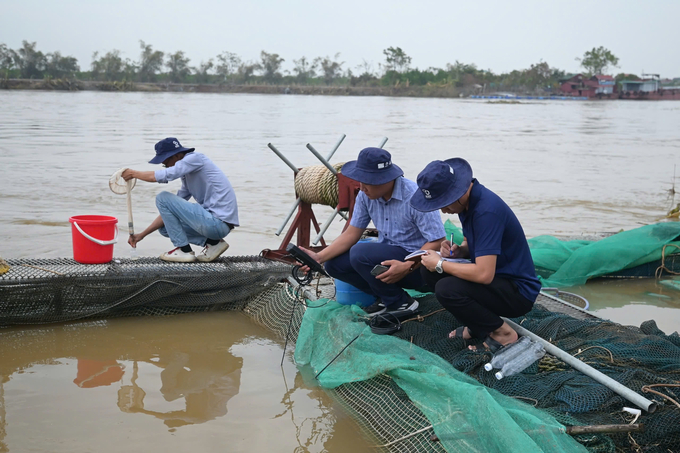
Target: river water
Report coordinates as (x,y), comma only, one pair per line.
(213,383)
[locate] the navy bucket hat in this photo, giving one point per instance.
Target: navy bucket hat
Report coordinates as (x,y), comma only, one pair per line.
(168,147)
(441,183)
(374,166)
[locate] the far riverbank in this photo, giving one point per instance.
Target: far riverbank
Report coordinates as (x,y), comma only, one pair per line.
(430,91)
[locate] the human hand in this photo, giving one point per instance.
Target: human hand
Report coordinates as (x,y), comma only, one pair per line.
(134,239)
(397,270)
(128,174)
(449,249)
(430,260)
(313,255)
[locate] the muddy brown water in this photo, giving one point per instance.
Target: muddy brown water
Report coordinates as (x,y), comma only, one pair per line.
(212,382)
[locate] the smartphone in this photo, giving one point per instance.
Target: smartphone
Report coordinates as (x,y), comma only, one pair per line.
(379,269)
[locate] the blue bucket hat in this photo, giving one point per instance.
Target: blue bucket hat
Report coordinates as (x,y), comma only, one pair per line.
(441,183)
(374,166)
(168,147)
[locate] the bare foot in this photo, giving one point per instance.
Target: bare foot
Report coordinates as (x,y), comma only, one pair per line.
(465,335)
(502,336)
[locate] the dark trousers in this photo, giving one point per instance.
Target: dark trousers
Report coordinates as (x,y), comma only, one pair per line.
(478,306)
(354,267)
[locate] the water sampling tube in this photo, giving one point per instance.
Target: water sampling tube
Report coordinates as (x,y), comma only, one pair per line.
(121,187)
(630,395)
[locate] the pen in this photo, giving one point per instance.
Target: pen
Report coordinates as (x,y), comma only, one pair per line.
(451,249)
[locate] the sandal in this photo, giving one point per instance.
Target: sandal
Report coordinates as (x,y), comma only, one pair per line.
(458,332)
(493,345)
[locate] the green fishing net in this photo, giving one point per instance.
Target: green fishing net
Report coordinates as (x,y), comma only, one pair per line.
(569,263)
(465,415)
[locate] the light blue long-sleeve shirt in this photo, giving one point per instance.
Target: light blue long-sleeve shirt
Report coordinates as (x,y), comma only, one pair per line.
(204,181)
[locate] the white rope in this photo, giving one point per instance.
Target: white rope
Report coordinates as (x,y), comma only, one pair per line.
(122,187)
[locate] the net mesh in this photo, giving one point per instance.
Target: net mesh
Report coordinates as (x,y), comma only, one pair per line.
(118,185)
(37,291)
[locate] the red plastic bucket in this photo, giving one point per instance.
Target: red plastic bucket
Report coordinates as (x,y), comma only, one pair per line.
(92,243)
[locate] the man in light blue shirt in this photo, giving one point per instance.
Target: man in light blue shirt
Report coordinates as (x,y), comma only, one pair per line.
(204,223)
(384,199)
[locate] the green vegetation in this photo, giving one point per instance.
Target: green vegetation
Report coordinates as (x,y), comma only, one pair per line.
(110,67)
(270,67)
(227,65)
(29,63)
(227,68)
(150,63)
(178,67)
(597,60)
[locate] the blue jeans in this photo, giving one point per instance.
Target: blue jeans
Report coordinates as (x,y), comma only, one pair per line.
(186,222)
(354,267)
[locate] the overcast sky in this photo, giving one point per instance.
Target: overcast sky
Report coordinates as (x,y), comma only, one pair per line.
(500,35)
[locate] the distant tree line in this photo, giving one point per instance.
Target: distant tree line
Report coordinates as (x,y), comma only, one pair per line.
(28,62)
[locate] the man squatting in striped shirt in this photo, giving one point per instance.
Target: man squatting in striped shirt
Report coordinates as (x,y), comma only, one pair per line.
(384,199)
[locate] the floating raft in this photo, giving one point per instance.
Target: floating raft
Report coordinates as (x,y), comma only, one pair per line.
(539,98)
(38,291)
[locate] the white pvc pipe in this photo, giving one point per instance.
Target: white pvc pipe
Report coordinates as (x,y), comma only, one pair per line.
(630,395)
(305,290)
(131,226)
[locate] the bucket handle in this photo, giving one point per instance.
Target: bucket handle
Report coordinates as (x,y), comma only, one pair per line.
(97,241)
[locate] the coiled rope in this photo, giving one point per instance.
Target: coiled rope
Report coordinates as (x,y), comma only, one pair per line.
(317,185)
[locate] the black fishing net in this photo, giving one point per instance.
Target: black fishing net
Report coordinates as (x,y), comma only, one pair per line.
(37,291)
(635,357)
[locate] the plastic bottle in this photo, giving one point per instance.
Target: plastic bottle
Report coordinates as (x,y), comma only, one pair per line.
(528,356)
(508,353)
(133,253)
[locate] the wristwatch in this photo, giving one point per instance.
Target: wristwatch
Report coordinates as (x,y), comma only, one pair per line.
(439,267)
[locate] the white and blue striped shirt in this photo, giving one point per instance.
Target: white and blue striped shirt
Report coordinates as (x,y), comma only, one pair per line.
(396,221)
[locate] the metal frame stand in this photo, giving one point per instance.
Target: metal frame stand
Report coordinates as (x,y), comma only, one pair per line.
(347,192)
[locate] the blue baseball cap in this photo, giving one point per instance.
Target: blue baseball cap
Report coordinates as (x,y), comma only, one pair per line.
(441,183)
(168,147)
(374,166)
